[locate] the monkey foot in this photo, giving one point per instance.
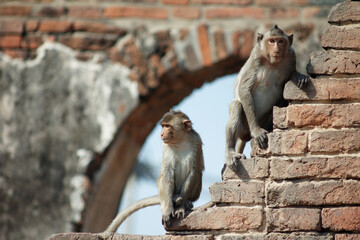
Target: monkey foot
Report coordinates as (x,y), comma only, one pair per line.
(232,161)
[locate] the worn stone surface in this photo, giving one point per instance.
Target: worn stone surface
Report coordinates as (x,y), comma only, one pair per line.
(347,236)
(245,192)
(334,141)
(324,115)
(292,142)
(341,219)
(221,218)
(334,62)
(325,88)
(248,168)
(52,109)
(340,37)
(276,236)
(315,167)
(348,11)
(313,193)
(293,219)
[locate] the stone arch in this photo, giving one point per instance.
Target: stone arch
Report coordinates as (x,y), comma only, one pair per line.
(167,70)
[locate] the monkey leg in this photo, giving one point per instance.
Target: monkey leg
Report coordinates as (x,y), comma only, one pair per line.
(236,129)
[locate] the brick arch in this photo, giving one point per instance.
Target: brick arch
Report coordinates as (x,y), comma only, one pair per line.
(165,76)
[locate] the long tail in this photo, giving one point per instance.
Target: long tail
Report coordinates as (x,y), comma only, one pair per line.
(120,218)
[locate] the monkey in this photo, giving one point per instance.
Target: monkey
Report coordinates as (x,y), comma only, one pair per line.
(257,89)
(182,166)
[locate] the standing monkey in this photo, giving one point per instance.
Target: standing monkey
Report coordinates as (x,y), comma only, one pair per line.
(257,89)
(180,177)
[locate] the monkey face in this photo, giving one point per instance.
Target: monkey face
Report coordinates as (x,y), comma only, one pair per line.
(276,48)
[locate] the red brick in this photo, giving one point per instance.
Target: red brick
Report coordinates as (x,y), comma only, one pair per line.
(244,192)
(31,25)
(293,219)
(348,11)
(347,236)
(93,42)
(179,2)
(300,2)
(340,37)
(249,168)
(224,2)
(221,218)
(204,45)
(15,53)
(284,13)
(324,115)
(51,12)
(54,26)
(97,27)
(243,42)
(15,10)
(32,41)
(313,193)
(186,12)
(315,167)
(272,2)
(292,142)
(325,88)
(310,12)
(85,12)
(335,141)
(140,12)
(334,62)
(10,41)
(11,26)
(341,219)
(245,12)
(220,45)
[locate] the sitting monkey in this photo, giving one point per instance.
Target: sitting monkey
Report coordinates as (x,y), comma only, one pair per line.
(258,88)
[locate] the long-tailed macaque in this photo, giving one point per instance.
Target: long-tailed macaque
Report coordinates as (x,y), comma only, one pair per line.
(257,89)
(180,178)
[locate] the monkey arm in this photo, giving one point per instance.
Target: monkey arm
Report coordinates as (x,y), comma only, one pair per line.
(121,217)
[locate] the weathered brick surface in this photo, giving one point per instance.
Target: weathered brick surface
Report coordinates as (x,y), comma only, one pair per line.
(221,13)
(284,13)
(293,219)
(347,236)
(85,12)
(15,10)
(292,142)
(334,62)
(315,167)
(11,26)
(88,41)
(276,236)
(141,12)
(313,193)
(348,11)
(248,168)
(341,37)
(341,219)
(221,218)
(109,236)
(244,192)
(334,141)
(55,26)
(204,45)
(10,41)
(325,88)
(325,115)
(186,12)
(51,11)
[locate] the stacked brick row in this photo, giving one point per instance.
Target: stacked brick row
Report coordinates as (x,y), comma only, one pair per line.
(95,26)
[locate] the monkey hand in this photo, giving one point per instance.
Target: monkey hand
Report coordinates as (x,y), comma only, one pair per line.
(179,213)
(260,136)
(301,80)
(232,160)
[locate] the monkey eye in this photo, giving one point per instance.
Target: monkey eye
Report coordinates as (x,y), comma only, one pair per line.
(272,41)
(281,41)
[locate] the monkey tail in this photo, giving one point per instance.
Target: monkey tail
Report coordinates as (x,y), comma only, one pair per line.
(120,218)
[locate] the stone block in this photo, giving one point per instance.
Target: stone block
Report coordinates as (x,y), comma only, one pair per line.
(293,219)
(334,141)
(221,218)
(313,193)
(348,11)
(347,236)
(341,37)
(333,62)
(244,192)
(341,219)
(248,168)
(325,88)
(315,167)
(276,236)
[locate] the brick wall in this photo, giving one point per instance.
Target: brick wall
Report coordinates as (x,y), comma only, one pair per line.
(306,185)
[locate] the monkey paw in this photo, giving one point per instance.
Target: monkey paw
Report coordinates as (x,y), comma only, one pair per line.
(301,80)
(177,200)
(232,160)
(165,220)
(179,213)
(261,138)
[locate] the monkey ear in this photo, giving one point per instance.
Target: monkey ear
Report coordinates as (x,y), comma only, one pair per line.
(260,37)
(291,38)
(187,125)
